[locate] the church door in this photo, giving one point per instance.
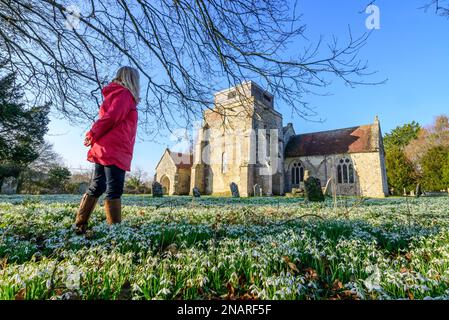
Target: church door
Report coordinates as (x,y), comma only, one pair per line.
(165,182)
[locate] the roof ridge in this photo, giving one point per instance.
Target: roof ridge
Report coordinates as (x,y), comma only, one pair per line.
(170,152)
(338,141)
(340,129)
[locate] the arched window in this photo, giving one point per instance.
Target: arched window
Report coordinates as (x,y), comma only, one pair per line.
(345,171)
(224,162)
(268,142)
(257,145)
(297,173)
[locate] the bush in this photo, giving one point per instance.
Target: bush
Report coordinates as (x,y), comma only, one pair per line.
(400,171)
(134,184)
(433,166)
(57,179)
(446,171)
(313,191)
(36,182)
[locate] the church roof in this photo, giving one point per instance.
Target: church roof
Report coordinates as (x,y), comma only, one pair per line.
(358,139)
(181,160)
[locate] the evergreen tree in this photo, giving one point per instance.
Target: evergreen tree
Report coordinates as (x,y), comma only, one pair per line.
(400,171)
(446,171)
(22,128)
(58,177)
(402,135)
(432,168)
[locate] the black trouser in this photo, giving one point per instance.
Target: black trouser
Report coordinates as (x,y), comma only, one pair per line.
(109,179)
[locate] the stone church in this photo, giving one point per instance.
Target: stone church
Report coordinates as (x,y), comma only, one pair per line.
(243,141)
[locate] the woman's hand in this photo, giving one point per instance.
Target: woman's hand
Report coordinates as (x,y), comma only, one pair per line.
(87,140)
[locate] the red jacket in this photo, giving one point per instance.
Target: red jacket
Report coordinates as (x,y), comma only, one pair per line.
(114,133)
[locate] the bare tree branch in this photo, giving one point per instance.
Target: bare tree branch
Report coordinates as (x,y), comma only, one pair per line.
(185,51)
(440,7)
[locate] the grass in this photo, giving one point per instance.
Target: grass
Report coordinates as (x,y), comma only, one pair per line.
(226,248)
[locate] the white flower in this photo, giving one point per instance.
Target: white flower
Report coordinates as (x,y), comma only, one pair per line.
(373,281)
(164,292)
(73,278)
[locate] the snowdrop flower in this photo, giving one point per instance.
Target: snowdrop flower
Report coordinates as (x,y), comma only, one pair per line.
(73,278)
(164,292)
(373,281)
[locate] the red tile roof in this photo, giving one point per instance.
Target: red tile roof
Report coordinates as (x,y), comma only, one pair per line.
(363,138)
(182,160)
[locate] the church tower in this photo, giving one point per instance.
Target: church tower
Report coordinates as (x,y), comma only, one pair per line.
(241,141)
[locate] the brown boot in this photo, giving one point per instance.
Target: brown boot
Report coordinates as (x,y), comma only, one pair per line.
(113,209)
(87,205)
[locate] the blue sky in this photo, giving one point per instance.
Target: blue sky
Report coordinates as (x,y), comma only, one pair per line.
(411,50)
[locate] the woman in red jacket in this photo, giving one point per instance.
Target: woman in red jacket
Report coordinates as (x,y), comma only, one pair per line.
(111,140)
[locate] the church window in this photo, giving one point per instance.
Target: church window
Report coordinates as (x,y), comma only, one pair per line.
(339,174)
(267,97)
(224,163)
(257,146)
(351,173)
(232,95)
(297,173)
(268,138)
(257,93)
(345,171)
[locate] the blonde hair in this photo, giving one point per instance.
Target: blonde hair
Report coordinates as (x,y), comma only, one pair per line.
(130,79)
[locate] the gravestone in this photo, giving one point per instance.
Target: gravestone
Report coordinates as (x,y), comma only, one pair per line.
(313,191)
(82,187)
(306,175)
(196,192)
(418,191)
(156,188)
(327,188)
(9,185)
(234,190)
(297,192)
(257,190)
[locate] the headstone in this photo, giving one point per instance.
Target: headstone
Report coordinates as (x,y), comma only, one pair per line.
(82,187)
(297,192)
(306,175)
(257,190)
(327,187)
(157,189)
(418,191)
(196,192)
(313,191)
(9,185)
(234,190)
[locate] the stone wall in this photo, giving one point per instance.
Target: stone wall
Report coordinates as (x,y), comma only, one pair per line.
(182,182)
(166,168)
(227,150)
(369,169)
(269,168)
(229,153)
(371,174)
